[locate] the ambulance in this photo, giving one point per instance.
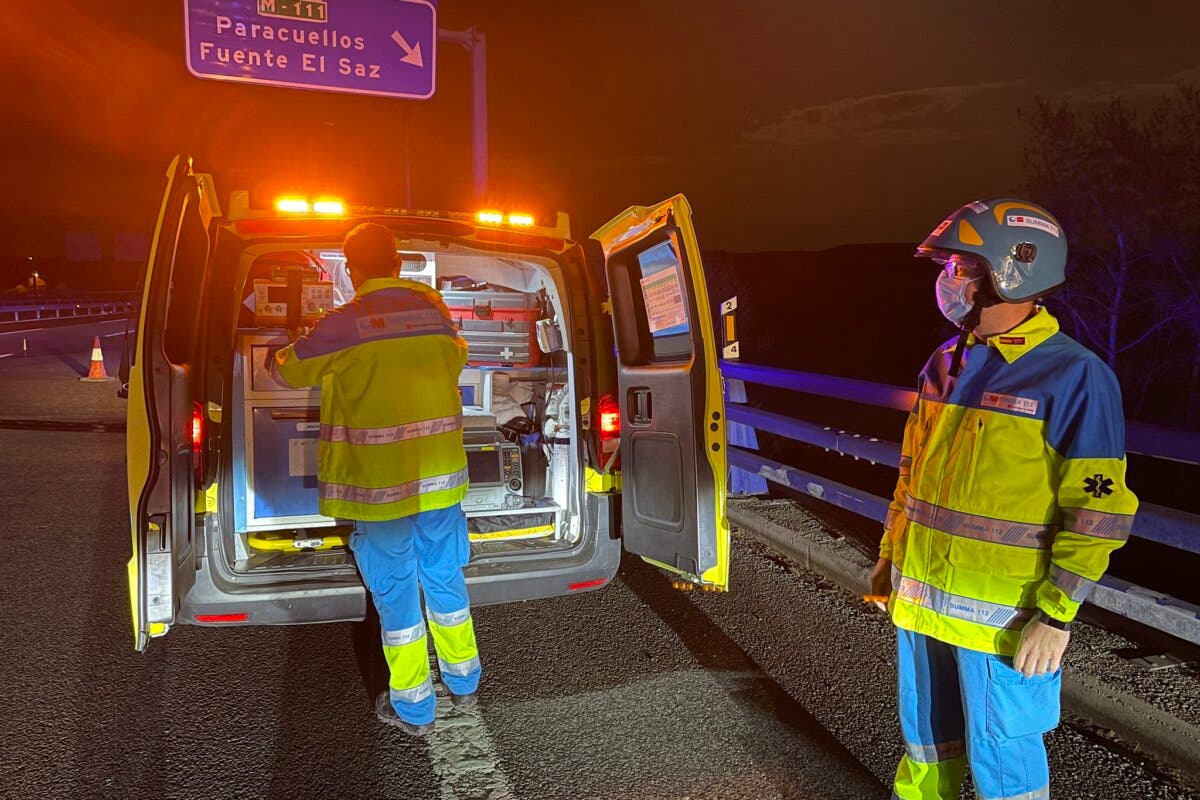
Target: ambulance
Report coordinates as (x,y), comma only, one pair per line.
(593,408)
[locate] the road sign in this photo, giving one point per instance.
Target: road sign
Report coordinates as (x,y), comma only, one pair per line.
(382,47)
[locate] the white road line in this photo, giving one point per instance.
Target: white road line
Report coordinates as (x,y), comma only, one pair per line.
(463,756)
(7,355)
(25,331)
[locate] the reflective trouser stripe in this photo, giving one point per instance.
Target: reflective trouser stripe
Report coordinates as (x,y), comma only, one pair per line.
(413,695)
(454,637)
(451,618)
(918,780)
(408,664)
(933,753)
(1037,794)
(404,635)
(462,669)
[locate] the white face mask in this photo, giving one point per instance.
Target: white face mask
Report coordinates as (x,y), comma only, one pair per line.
(952,296)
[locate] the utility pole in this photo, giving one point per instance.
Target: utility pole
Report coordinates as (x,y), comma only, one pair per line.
(475,42)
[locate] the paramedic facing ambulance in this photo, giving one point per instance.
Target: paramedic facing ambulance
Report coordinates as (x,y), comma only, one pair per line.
(1011,498)
(390,457)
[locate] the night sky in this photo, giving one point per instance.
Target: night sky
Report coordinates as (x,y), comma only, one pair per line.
(789,124)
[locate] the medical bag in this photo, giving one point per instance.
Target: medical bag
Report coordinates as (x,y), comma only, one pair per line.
(498,325)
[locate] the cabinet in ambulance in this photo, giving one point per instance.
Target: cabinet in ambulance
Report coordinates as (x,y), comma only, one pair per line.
(588,425)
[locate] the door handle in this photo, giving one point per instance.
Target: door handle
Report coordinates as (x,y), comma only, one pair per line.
(642,407)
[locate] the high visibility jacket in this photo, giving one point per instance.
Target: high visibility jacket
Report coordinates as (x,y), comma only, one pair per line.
(1012,489)
(387,363)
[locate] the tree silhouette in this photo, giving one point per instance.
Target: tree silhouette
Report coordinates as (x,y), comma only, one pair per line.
(1125,183)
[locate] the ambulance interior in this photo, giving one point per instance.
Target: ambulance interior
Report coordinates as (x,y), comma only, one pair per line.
(521,439)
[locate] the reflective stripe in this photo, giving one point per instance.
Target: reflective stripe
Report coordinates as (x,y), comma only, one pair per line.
(941,602)
(1037,794)
(450,619)
(392,494)
(413,695)
(1097,523)
(1076,587)
(462,669)
(933,753)
(417,322)
(391,434)
(985,529)
(404,635)
(891,518)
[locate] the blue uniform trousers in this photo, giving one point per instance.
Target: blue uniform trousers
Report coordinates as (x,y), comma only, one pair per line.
(398,560)
(959,706)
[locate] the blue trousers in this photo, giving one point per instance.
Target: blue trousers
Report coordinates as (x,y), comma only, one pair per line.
(959,706)
(398,560)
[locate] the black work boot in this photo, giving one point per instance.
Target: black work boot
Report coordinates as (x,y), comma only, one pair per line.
(388,716)
(464,701)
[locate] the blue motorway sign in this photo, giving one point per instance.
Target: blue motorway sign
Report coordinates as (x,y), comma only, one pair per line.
(383,47)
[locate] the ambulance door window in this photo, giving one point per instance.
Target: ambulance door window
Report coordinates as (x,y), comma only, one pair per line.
(662,304)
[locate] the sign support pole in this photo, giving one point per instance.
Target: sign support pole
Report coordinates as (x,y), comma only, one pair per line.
(475,41)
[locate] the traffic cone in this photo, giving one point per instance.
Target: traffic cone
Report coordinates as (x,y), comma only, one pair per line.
(97,373)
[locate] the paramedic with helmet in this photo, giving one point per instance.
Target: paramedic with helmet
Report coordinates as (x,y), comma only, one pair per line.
(1011,498)
(390,457)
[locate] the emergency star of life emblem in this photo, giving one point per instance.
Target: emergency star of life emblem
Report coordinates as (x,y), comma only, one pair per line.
(1098,485)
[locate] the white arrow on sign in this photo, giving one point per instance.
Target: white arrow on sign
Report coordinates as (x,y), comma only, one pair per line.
(412,55)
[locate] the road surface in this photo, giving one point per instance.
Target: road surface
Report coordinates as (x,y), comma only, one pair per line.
(782,688)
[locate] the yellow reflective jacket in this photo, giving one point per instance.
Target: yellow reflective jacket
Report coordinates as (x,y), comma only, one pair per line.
(1012,489)
(387,363)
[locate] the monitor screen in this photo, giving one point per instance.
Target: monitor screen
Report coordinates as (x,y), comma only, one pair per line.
(483,466)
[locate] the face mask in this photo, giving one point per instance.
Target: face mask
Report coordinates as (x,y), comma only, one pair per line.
(952,296)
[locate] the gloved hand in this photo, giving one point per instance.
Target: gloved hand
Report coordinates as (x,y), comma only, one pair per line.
(1041,649)
(881,581)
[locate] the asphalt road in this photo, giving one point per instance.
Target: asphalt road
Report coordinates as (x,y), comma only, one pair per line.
(781,689)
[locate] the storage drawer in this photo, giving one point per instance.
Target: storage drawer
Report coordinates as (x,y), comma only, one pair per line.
(283,464)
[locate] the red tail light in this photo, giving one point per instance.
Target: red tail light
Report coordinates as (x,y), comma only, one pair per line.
(198,441)
(609,411)
(575,587)
(242,617)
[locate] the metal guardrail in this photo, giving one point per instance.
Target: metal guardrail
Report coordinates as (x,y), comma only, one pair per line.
(750,470)
(16,310)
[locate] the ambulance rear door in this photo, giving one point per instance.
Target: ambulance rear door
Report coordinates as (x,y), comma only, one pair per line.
(165,424)
(672,429)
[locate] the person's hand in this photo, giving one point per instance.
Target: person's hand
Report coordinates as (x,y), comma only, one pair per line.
(881,580)
(1041,649)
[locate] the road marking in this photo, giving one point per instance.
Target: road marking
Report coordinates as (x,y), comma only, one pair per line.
(24,331)
(463,755)
(7,355)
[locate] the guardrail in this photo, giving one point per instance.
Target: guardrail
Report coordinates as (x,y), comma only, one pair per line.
(16,310)
(750,471)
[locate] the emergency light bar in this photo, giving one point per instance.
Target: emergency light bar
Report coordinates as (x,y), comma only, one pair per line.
(300,205)
(292,206)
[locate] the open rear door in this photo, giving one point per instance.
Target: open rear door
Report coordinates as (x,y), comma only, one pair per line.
(670,393)
(162,426)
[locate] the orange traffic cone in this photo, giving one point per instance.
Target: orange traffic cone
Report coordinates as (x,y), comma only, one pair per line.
(97,373)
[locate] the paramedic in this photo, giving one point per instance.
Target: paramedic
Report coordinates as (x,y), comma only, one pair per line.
(1010,500)
(390,457)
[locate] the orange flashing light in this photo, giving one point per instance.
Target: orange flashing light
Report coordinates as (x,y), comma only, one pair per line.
(327,206)
(520,220)
(490,217)
(293,205)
